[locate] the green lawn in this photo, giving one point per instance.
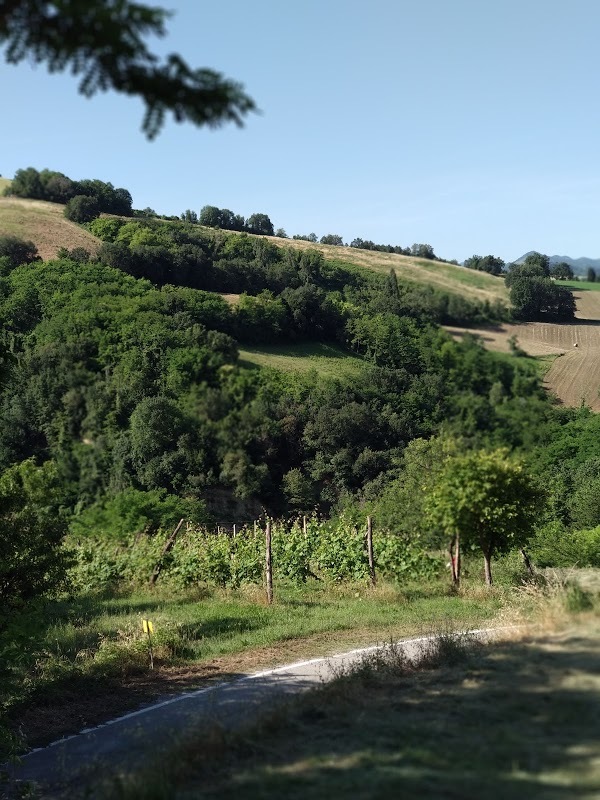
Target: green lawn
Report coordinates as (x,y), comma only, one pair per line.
(325,359)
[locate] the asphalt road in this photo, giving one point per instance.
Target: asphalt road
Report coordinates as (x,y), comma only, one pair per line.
(70,767)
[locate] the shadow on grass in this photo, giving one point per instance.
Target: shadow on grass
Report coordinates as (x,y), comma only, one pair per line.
(517,720)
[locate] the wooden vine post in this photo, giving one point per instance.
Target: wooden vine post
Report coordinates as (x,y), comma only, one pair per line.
(268,563)
(370,551)
(168,546)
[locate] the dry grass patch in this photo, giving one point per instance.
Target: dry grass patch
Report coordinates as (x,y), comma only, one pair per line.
(44,224)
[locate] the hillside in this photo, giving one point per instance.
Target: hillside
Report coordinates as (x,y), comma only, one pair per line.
(574,377)
(446,277)
(42,223)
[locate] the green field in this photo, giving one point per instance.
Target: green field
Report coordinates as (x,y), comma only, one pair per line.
(581,285)
(4,182)
(325,359)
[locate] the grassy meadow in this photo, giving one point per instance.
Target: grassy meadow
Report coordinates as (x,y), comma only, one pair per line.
(325,359)
(591,286)
(44,224)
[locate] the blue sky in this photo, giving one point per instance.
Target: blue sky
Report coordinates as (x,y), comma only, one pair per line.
(471,125)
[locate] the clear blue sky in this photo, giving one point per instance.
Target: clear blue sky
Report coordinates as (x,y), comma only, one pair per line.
(471,125)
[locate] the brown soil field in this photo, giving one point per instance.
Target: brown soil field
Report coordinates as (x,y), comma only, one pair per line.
(574,377)
(43,224)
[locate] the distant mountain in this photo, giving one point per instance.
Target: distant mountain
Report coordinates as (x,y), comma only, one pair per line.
(579,265)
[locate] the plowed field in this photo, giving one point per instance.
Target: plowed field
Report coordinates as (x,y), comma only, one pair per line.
(575,376)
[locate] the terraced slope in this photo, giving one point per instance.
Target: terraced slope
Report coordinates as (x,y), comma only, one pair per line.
(43,224)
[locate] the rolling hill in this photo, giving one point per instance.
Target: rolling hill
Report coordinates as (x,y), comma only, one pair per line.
(43,223)
(446,277)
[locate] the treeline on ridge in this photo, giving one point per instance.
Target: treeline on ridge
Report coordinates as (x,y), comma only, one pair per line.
(58,188)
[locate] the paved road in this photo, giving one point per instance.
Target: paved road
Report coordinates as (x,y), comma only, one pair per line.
(69,767)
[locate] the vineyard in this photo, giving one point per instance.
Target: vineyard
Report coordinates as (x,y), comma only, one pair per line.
(332,550)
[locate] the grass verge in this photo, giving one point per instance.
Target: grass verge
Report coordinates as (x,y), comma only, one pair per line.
(83,661)
(513,719)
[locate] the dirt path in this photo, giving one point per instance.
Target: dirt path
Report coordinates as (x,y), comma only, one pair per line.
(574,377)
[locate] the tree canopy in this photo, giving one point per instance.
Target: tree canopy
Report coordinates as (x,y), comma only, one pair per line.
(488,500)
(104,42)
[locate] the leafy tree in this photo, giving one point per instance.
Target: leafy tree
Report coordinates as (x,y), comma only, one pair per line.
(487,500)
(332,238)
(422,251)
(16,251)
(82,208)
(189,216)
(31,530)
(540,260)
(561,271)
(491,264)
(591,275)
(281,234)
(310,237)
(534,296)
(103,41)
(260,224)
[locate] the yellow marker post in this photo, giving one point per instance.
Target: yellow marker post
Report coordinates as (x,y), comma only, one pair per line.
(148,628)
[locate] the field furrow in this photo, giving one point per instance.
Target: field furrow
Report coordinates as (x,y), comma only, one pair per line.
(574,377)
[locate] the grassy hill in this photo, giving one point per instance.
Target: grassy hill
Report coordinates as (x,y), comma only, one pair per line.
(43,224)
(446,277)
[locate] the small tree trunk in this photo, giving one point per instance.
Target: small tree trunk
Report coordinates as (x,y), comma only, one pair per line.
(168,546)
(454,552)
(268,563)
(457,559)
(527,562)
(487,566)
(370,551)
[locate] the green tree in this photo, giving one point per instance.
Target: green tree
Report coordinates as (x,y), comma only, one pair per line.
(332,238)
(82,208)
(422,251)
(561,271)
(16,251)
(591,275)
(260,224)
(32,527)
(104,42)
(490,264)
(487,500)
